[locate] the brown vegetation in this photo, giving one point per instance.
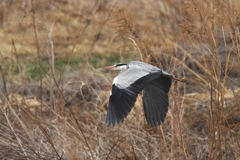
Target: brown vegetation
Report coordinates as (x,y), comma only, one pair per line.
(54,94)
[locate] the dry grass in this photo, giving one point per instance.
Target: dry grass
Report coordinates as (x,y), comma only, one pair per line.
(54,93)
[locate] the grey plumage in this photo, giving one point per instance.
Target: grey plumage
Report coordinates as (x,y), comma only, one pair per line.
(138,77)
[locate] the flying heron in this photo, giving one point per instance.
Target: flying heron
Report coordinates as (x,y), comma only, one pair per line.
(136,77)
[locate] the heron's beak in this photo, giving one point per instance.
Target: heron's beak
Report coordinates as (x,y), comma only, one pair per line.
(109,67)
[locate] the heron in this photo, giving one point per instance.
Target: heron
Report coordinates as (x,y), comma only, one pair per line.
(136,77)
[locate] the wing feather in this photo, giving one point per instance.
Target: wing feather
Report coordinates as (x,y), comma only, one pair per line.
(152,119)
(122,99)
(155,99)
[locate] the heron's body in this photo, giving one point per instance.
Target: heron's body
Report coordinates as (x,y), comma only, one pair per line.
(136,77)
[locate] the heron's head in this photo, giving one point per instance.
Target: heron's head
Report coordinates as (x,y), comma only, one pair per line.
(119,66)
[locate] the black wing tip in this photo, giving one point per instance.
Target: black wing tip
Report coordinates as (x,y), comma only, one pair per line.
(115,117)
(112,123)
(153,122)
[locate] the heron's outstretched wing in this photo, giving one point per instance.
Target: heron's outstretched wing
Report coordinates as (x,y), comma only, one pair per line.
(125,89)
(155,100)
